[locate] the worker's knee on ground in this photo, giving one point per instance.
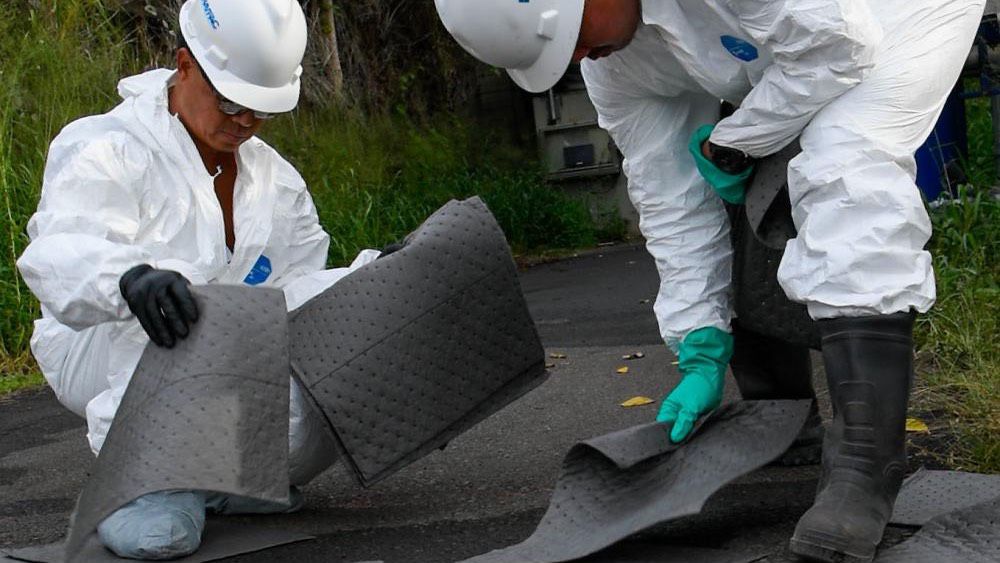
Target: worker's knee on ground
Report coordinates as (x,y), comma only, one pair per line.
(164,525)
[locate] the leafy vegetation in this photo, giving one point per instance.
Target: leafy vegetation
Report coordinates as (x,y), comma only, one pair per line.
(374,176)
(959,340)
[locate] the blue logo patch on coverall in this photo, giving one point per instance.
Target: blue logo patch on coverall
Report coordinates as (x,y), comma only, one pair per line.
(742,50)
(260,271)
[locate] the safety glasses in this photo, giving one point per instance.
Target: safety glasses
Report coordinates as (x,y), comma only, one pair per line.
(230,107)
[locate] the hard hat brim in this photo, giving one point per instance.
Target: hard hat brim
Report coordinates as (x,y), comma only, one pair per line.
(278,99)
(258,98)
(555,58)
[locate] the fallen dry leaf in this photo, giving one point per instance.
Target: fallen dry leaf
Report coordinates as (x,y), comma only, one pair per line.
(634,356)
(622,370)
(549,366)
(917,425)
(637,402)
(557,356)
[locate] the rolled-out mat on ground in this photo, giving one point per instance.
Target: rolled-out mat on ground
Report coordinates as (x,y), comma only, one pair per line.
(618,484)
(927,494)
(647,553)
(221,540)
(209,414)
(415,348)
(967,535)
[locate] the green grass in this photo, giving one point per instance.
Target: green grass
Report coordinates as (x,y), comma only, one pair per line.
(959,354)
(58,64)
(959,339)
(12,382)
(374,178)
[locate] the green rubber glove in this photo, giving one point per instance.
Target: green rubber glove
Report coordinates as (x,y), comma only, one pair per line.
(730,187)
(704,355)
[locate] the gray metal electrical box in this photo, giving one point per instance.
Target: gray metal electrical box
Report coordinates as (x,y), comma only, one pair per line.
(571,143)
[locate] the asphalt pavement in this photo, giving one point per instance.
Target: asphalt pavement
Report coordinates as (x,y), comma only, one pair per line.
(489,487)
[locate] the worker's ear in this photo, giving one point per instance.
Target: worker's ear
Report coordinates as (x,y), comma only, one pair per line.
(185,63)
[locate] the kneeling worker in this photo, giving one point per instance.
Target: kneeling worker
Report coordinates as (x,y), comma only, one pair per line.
(170,188)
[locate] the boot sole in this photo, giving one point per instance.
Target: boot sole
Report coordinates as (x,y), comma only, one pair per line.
(821,551)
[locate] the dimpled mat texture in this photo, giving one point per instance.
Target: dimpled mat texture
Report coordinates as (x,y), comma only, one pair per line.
(413,349)
(927,494)
(759,231)
(618,484)
(969,535)
(212,413)
(645,553)
(768,208)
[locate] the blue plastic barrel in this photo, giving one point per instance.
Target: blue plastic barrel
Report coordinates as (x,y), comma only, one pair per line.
(947,144)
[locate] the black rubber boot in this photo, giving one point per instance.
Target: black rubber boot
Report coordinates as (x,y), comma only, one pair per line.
(869,367)
(769,368)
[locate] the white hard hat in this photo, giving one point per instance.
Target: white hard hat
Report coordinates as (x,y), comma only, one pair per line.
(533,39)
(251,50)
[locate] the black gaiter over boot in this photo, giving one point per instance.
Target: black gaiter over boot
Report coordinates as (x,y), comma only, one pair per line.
(768,368)
(869,368)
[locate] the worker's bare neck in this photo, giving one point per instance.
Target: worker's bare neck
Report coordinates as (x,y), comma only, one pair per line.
(215,161)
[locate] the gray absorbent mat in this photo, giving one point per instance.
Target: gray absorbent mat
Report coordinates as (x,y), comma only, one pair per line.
(401,356)
(412,350)
(209,414)
(768,207)
(760,229)
(927,494)
(221,539)
(969,535)
(639,552)
(618,484)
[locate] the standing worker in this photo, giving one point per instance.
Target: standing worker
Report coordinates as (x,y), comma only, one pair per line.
(170,188)
(860,83)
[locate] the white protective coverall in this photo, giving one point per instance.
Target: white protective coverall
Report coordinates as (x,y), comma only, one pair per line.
(862,82)
(128,187)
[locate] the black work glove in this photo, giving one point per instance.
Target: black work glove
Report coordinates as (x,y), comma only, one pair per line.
(392,247)
(162,302)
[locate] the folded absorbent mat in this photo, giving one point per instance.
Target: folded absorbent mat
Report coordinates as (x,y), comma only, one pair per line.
(968,535)
(618,484)
(927,494)
(221,540)
(211,413)
(768,207)
(760,229)
(408,352)
(402,355)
